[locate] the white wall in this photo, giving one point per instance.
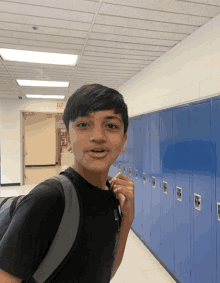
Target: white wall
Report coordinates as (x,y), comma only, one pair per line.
(10,134)
(188,72)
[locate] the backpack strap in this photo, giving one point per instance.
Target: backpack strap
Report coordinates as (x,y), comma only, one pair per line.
(62,243)
(13,206)
(4,201)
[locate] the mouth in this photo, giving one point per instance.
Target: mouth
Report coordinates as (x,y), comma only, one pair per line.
(98,154)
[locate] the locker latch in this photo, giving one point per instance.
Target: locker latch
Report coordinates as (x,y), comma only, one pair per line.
(165,187)
(124,169)
(153,182)
(218,210)
(129,171)
(119,166)
(136,174)
(197,202)
(179,193)
(144,178)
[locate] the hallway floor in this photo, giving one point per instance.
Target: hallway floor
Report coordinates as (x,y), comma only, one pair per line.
(138,264)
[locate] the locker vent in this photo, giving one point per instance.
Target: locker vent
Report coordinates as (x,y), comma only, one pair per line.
(165,187)
(144,178)
(218,210)
(197,202)
(153,182)
(179,193)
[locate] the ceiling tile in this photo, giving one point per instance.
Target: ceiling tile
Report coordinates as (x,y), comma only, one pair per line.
(137,32)
(178,7)
(136,13)
(43,22)
(115,64)
(17,8)
(110,55)
(144,24)
(42,49)
(207,2)
(123,45)
(117,60)
(76,5)
(20,29)
(17,42)
(120,51)
(41,37)
(137,40)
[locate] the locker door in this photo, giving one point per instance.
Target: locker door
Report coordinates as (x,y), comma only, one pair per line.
(128,146)
(215,134)
(203,186)
(155,243)
(147,224)
(136,123)
(182,169)
(167,188)
(130,149)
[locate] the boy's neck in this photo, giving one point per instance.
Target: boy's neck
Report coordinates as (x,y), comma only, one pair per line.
(97,179)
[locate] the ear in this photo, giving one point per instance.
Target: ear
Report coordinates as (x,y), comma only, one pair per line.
(124,142)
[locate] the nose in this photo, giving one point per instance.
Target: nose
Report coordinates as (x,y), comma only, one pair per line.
(98,134)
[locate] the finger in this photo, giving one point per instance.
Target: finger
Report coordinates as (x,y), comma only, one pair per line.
(122,177)
(121,182)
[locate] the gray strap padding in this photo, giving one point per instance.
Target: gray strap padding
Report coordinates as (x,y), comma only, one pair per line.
(66,233)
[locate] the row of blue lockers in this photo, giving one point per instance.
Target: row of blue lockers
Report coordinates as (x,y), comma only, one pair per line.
(173,156)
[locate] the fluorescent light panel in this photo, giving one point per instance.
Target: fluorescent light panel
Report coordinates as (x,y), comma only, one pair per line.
(45,96)
(38,57)
(42,83)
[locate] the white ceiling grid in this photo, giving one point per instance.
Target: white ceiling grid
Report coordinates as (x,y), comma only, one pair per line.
(115,39)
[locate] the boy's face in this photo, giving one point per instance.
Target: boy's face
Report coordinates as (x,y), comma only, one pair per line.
(96,130)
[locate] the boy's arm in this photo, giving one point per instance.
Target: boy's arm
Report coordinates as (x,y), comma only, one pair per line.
(8,278)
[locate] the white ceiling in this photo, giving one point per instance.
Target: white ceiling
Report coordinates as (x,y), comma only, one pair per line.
(115,39)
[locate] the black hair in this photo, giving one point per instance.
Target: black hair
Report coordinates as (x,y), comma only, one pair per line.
(94,97)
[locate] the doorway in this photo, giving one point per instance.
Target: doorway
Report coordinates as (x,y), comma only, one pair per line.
(39,151)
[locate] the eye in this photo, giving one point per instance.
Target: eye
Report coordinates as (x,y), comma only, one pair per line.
(113,125)
(81,124)
(86,124)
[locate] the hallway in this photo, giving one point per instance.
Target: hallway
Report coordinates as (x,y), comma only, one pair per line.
(138,264)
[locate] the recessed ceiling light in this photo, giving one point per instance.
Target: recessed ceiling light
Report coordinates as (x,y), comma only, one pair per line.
(38,57)
(42,83)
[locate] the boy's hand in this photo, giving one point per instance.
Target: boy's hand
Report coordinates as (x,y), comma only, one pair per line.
(123,187)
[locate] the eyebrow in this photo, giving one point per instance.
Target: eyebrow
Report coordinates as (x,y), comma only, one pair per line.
(109,117)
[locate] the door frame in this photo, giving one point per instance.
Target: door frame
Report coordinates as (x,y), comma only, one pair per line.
(22,141)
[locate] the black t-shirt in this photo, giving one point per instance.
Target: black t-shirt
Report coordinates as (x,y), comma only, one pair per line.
(35,223)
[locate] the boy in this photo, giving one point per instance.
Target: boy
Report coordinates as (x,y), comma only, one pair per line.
(96,119)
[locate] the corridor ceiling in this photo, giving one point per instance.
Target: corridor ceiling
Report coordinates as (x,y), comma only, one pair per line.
(115,39)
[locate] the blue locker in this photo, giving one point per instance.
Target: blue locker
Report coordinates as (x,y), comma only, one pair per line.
(167,188)
(147,222)
(155,242)
(215,133)
(137,167)
(128,157)
(182,168)
(203,264)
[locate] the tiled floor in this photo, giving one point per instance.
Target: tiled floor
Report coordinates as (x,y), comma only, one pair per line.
(138,264)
